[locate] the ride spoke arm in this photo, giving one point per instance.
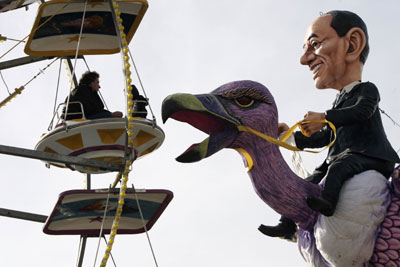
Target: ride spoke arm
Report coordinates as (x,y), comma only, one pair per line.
(46,156)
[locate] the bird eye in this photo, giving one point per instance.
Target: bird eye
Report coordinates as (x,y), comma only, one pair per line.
(244,101)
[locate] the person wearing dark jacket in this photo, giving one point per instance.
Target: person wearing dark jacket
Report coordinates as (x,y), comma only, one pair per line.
(140,103)
(86,95)
(335,50)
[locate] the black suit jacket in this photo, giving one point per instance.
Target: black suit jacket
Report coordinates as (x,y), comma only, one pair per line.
(358,125)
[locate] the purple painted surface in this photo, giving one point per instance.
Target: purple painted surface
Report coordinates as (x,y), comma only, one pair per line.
(308,249)
(282,189)
(387,246)
(271,176)
(96,148)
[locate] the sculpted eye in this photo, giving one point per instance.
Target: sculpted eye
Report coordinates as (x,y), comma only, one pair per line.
(245,97)
(315,44)
(244,101)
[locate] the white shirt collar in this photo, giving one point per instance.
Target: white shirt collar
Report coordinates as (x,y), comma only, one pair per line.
(350,86)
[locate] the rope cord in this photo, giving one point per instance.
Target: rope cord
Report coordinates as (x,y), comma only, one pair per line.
(387,115)
(75,60)
(101,96)
(5,82)
(5,38)
(141,85)
(102,99)
(1,74)
(21,88)
(38,27)
(288,133)
(102,225)
(55,99)
(118,213)
(394,122)
(58,86)
(282,142)
(144,225)
(40,72)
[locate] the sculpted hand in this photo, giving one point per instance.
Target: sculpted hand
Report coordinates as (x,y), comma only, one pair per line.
(282,127)
(310,128)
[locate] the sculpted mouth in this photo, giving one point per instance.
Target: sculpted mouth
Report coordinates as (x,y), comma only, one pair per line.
(316,68)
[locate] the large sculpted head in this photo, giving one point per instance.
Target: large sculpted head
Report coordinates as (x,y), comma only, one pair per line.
(335,49)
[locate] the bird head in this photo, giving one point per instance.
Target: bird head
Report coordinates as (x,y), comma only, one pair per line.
(219,113)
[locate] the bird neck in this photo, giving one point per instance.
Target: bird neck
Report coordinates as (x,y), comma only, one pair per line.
(278,186)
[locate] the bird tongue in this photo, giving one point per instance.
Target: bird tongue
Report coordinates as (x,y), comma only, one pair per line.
(201,121)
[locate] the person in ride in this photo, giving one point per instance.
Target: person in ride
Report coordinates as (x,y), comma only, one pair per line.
(87,94)
(335,50)
(140,103)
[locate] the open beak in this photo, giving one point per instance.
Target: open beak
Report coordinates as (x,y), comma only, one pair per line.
(206,113)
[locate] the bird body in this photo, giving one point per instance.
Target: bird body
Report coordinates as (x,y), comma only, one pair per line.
(374,208)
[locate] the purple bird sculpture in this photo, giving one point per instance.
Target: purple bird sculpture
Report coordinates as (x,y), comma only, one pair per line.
(227,112)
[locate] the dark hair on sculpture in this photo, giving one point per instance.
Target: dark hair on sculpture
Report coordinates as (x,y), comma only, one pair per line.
(88,77)
(343,21)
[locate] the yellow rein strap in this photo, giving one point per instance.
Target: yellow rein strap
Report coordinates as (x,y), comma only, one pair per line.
(289,133)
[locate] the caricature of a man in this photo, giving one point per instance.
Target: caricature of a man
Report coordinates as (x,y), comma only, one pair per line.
(335,50)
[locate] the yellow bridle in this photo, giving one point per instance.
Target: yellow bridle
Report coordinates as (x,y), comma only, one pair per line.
(281,142)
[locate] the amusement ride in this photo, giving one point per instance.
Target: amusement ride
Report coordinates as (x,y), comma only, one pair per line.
(68,30)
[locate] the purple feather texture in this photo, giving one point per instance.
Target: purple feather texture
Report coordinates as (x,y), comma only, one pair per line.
(273,180)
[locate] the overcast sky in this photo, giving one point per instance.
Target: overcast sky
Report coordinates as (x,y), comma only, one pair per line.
(193,47)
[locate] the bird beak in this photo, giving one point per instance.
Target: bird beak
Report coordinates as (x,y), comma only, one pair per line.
(206,113)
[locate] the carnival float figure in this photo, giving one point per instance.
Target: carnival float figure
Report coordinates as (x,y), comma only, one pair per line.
(356,222)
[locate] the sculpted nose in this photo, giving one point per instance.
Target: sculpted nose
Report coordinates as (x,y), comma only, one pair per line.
(307,57)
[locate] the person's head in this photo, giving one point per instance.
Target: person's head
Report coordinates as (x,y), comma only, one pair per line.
(335,49)
(90,79)
(135,91)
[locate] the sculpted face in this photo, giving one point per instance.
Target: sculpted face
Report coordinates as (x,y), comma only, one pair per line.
(324,54)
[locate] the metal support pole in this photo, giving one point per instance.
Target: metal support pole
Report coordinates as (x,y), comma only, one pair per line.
(84,237)
(82,248)
(21,61)
(88,181)
(70,68)
(33,154)
(23,215)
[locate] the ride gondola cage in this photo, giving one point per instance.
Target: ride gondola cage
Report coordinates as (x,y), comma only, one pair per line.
(100,139)
(85,211)
(57,28)
(58,25)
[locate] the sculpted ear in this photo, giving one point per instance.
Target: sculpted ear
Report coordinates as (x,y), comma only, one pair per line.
(357,42)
